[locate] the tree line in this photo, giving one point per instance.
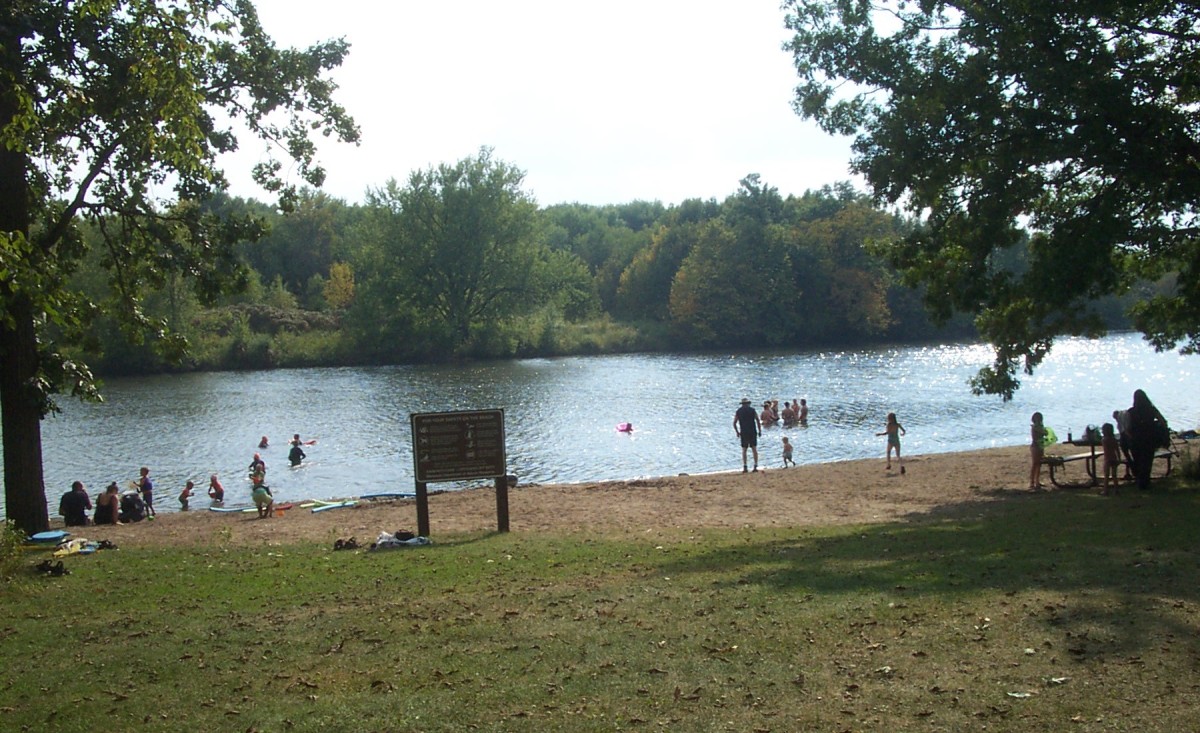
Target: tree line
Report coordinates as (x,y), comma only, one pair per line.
(459,261)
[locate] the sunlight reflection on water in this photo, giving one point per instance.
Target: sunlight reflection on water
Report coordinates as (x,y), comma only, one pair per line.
(560,414)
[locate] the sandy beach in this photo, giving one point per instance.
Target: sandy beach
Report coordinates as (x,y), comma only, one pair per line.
(849,492)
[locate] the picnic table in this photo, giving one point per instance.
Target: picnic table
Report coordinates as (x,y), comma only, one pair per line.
(1059,465)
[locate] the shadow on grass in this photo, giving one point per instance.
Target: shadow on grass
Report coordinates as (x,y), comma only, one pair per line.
(1126,566)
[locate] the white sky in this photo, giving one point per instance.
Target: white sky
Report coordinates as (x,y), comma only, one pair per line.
(599,103)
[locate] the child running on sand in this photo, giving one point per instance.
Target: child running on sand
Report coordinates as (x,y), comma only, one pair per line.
(787,453)
(893,430)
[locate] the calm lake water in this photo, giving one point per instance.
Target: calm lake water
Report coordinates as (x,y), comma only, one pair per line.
(561,414)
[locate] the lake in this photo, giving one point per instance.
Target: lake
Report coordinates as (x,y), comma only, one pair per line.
(561,414)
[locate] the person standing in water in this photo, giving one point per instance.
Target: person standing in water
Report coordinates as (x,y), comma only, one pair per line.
(296,454)
(258,469)
(185,495)
(216,491)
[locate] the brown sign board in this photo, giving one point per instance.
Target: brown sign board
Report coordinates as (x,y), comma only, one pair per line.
(458,446)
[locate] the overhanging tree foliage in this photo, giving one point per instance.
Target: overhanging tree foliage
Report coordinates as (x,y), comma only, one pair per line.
(105,105)
(1072,127)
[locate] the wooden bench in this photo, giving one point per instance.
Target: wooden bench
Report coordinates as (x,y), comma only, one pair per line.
(1058,465)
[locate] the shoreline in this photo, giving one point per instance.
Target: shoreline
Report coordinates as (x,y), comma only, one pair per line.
(857,491)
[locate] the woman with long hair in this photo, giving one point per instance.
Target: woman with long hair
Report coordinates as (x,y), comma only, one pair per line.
(1146,426)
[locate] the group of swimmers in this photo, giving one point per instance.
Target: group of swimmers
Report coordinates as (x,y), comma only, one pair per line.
(748,425)
(112,507)
(794,413)
(264,500)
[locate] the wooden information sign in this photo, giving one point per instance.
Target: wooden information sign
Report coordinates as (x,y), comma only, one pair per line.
(459,446)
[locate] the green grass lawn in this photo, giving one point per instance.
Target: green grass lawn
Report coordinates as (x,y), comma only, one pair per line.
(1056,612)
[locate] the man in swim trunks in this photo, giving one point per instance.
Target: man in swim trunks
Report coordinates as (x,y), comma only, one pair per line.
(748,427)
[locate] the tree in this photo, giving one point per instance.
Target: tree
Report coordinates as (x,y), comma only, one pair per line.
(339,288)
(106,106)
(457,247)
(1072,124)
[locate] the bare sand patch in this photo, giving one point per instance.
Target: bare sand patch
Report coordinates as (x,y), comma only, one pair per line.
(844,492)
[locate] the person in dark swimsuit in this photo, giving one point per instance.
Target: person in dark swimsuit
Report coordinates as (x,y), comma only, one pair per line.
(108,506)
(75,505)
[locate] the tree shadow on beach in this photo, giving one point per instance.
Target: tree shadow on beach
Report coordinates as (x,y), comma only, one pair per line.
(1126,564)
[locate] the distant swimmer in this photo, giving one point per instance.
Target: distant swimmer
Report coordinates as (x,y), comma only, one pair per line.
(296,440)
(264,443)
(625,427)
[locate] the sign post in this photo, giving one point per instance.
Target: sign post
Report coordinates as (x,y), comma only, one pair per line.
(459,446)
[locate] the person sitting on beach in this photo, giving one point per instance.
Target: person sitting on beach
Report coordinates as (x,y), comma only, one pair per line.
(185,495)
(216,491)
(108,506)
(75,505)
(133,509)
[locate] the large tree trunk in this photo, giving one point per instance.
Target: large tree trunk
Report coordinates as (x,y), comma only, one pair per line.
(20,394)
(20,404)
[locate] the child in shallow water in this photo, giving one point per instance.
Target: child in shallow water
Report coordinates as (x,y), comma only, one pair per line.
(216,491)
(787,452)
(185,495)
